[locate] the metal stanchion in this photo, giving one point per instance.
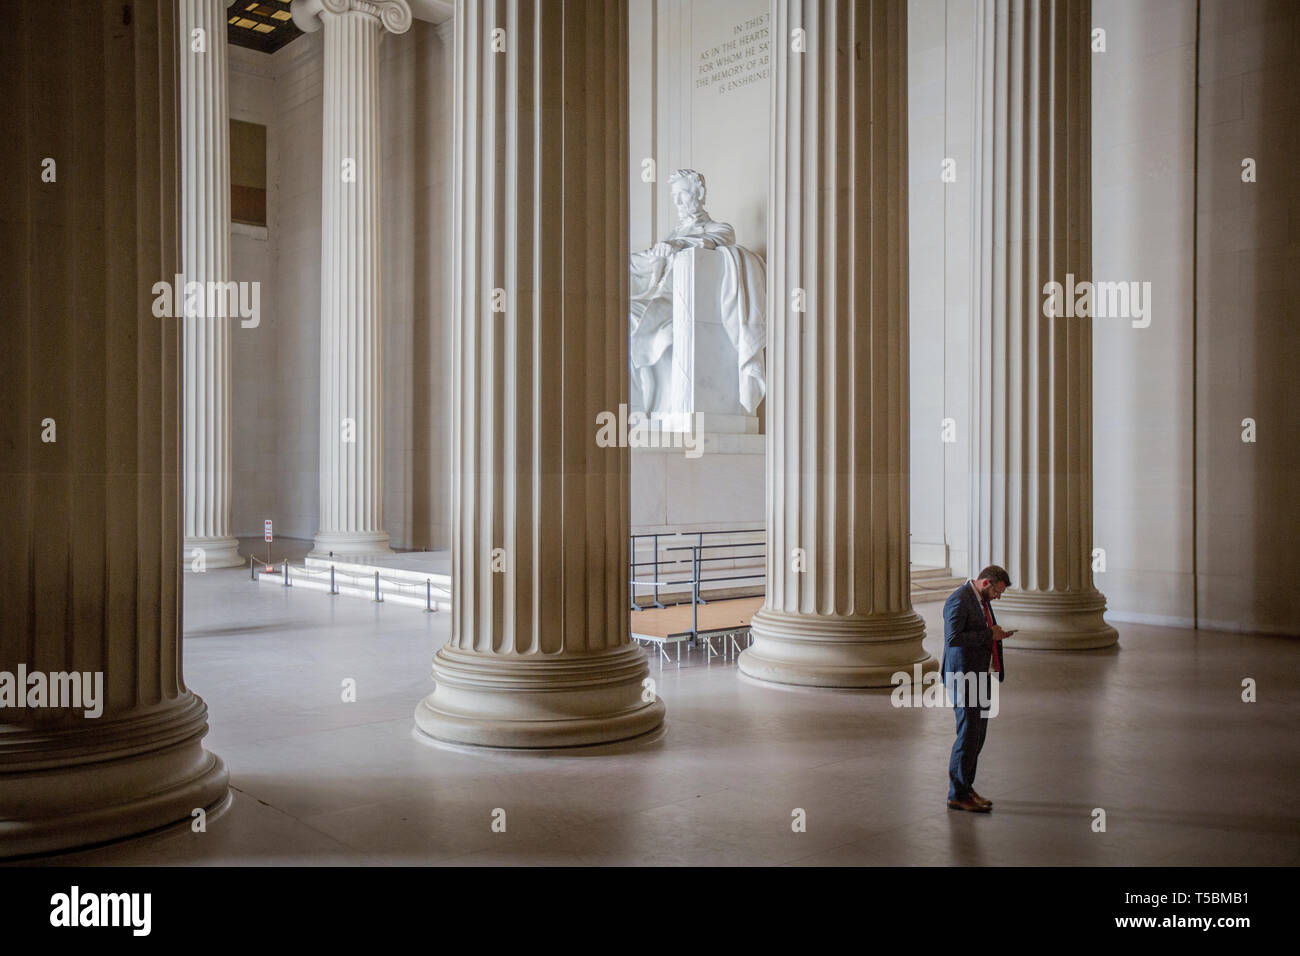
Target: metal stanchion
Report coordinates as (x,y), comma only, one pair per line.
(378,599)
(252,569)
(428,594)
(695,594)
(286,572)
(655,558)
(699,554)
(333,589)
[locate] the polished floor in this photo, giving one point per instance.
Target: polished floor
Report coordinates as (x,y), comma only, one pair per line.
(1154,733)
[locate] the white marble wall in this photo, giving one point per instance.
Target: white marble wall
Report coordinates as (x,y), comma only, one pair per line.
(1182,505)
(642,66)
(940,39)
(1143,153)
(720,490)
(1248,284)
(927,194)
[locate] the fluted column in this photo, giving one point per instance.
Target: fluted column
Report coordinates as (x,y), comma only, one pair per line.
(90,380)
(1032,373)
(838,611)
(351,359)
(539,653)
(205,258)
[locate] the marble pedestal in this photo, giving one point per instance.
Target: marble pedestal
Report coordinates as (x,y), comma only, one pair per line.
(705,379)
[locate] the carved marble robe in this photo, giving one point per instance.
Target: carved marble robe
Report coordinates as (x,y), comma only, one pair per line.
(743,302)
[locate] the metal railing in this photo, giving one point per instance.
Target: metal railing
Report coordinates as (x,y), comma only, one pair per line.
(430,604)
(697,561)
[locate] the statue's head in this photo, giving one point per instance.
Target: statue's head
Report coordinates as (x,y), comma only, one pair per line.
(688,191)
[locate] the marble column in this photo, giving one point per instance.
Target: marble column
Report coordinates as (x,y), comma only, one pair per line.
(838,611)
(205,258)
(90,379)
(1031,372)
(539,653)
(351,356)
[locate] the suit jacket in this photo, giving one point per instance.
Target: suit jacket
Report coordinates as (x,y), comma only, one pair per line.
(967,637)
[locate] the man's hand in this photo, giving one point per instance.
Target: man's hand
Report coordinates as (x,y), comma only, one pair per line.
(999,634)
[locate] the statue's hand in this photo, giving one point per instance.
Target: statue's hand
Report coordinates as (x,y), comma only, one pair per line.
(663,249)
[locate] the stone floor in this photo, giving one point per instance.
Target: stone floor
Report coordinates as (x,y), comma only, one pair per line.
(1155,733)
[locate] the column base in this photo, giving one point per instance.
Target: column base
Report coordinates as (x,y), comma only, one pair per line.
(1055,620)
(347,543)
(815,650)
(93,784)
(518,702)
(221,552)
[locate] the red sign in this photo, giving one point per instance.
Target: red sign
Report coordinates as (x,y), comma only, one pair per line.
(268,529)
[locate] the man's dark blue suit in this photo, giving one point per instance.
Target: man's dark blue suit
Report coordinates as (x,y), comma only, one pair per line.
(967,649)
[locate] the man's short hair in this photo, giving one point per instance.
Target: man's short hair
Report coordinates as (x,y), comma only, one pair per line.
(994,573)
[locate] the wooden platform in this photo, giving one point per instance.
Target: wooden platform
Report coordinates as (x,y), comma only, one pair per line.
(714,616)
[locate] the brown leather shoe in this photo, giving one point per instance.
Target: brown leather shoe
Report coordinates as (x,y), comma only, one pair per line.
(967,803)
(978,799)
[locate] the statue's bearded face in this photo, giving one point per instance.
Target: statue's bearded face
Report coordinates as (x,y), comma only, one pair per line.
(686,201)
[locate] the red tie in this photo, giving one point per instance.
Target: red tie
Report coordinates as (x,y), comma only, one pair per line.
(988,619)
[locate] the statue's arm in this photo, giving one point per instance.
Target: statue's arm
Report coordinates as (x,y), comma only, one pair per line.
(717,234)
(711,236)
(699,242)
(714,235)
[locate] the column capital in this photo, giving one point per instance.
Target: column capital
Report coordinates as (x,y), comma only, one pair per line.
(395,15)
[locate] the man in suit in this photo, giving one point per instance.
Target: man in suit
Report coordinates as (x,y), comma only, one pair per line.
(972,645)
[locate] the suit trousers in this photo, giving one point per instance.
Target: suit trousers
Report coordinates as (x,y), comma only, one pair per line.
(971,728)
